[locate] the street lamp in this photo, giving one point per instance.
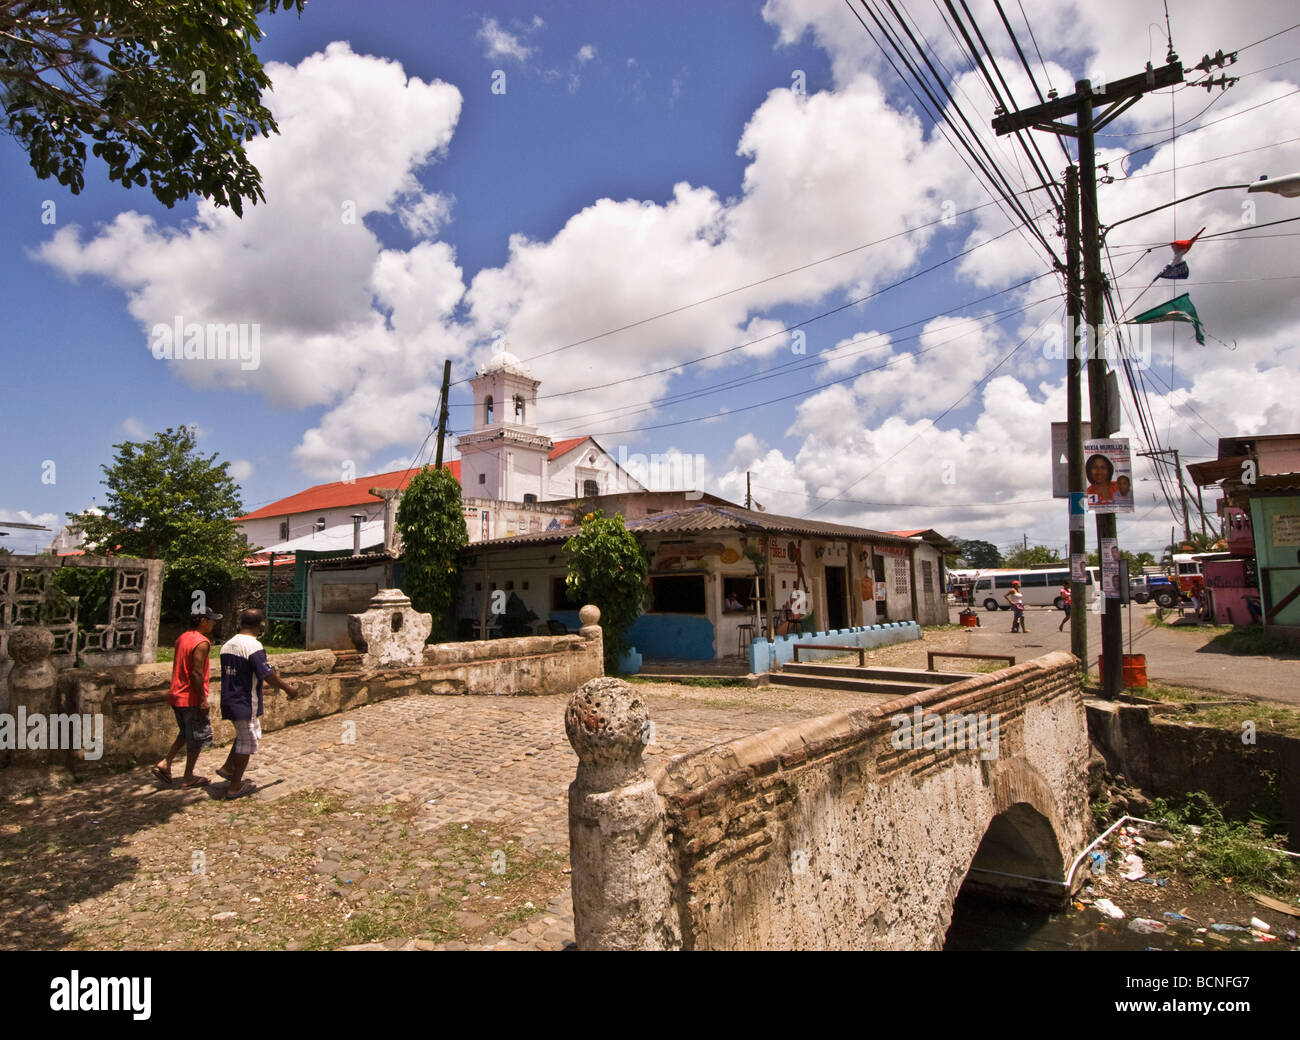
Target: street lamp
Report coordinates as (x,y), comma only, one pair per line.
(1288,186)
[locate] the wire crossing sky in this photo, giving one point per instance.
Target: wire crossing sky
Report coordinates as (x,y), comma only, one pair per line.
(780,239)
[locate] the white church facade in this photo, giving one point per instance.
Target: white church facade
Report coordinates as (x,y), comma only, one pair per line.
(513,478)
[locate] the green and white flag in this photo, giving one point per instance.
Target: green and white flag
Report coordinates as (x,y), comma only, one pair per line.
(1178,309)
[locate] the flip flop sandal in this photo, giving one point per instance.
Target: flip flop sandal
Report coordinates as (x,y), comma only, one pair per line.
(199,781)
(162,775)
(248,788)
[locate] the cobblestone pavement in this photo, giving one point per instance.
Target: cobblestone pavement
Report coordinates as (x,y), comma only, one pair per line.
(363,835)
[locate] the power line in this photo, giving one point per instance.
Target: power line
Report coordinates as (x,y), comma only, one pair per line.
(1268,68)
(1203,162)
(751,285)
(1050,86)
(994,177)
(1178,126)
(907,505)
(797,367)
(1212,122)
(780,332)
(1267,38)
(978,383)
(784,397)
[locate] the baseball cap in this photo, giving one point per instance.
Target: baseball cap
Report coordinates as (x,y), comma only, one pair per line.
(210,614)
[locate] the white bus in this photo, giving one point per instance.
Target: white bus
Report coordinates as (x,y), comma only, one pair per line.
(1040,588)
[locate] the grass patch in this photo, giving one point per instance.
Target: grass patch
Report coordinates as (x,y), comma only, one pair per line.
(1205,708)
(168,653)
(324,803)
(1252,641)
(709,681)
(1223,851)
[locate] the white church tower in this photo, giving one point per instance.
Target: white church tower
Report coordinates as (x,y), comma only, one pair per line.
(504,457)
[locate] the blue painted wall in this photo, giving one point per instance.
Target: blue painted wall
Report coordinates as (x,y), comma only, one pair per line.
(686,636)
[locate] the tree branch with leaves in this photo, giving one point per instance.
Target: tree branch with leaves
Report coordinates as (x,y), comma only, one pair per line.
(168,93)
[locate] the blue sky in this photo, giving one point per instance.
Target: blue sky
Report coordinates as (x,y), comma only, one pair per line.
(640,159)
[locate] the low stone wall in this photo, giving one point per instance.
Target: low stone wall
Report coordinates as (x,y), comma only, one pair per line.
(822,834)
(1167,759)
(138,722)
(767,655)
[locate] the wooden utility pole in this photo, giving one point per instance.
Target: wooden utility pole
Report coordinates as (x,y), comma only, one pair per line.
(1182,497)
(1182,490)
(748,497)
(1118,96)
(442,414)
(1074,416)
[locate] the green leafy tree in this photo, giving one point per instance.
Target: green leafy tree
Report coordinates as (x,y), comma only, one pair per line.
(167,502)
(1136,561)
(167,92)
(1033,556)
(977,553)
(432,525)
(608,567)
(1196,543)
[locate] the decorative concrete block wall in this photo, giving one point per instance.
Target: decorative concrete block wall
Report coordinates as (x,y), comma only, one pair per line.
(138,721)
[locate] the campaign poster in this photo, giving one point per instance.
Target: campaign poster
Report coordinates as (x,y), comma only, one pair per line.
(1110,568)
(1108,471)
(1078,567)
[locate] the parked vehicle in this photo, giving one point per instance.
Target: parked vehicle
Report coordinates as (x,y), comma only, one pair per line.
(1187,573)
(1040,588)
(1161,589)
(1138,591)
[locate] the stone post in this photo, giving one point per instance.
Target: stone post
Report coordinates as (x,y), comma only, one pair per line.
(591,631)
(622,889)
(33,690)
(390,632)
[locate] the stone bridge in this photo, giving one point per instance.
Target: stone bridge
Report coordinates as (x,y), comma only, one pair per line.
(852,830)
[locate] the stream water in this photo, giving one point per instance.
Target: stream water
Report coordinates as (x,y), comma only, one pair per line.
(983,924)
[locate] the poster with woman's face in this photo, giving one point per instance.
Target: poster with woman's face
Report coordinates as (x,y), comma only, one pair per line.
(1108,476)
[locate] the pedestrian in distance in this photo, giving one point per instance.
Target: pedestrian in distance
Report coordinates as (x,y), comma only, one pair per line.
(244,668)
(188,697)
(1017,601)
(1065,595)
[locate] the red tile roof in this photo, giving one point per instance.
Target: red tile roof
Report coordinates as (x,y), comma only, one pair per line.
(564,447)
(340,493)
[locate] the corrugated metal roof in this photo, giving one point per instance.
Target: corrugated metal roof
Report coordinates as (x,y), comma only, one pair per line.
(713,518)
(719,518)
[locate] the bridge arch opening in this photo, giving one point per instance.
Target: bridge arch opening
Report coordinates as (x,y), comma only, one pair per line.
(1018,862)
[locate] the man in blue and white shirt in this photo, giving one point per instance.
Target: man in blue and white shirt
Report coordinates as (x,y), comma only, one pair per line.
(243,668)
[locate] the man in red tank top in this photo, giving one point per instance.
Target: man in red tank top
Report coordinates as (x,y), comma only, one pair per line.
(188,697)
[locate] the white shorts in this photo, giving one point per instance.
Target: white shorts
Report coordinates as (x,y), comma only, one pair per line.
(247,734)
